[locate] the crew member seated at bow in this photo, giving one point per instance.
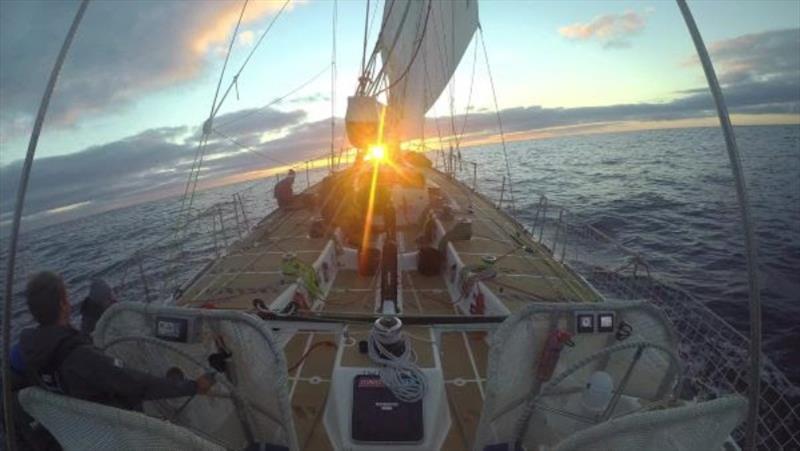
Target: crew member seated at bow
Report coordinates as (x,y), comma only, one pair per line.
(101,297)
(283,190)
(62,359)
(284,194)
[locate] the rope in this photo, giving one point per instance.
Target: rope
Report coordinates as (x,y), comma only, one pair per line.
(310,350)
(399,373)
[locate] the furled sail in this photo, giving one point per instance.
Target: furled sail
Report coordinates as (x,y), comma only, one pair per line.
(421,44)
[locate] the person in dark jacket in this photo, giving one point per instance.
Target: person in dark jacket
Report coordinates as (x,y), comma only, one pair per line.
(63,359)
(101,297)
(284,192)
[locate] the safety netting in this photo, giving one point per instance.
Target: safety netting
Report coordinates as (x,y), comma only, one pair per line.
(523,404)
(85,426)
(715,355)
(249,403)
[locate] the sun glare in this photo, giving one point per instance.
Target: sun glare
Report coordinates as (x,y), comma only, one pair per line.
(376,153)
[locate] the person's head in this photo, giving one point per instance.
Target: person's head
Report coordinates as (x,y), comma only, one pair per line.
(101,293)
(291,173)
(100,298)
(47,299)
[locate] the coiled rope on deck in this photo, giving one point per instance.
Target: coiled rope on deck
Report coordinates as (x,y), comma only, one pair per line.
(399,372)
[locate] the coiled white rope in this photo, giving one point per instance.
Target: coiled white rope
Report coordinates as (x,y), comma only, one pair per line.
(399,373)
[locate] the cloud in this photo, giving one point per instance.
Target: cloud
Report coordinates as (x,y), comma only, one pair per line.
(612,30)
(772,56)
(155,163)
(311,98)
(249,123)
(152,163)
(246,38)
(121,51)
(218,29)
(752,98)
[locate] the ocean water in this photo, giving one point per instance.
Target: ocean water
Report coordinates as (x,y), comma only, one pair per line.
(667,194)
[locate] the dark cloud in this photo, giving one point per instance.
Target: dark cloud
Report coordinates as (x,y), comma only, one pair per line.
(752,97)
(151,163)
(100,173)
(157,161)
(316,97)
(761,73)
(251,123)
(122,50)
(771,56)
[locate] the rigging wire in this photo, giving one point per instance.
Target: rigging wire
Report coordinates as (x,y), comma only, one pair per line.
(227,57)
(397,34)
(250,149)
(366,74)
(469,96)
(333,78)
(372,19)
(194,173)
(366,33)
(499,122)
(215,107)
(420,40)
(277,99)
(235,78)
(8,411)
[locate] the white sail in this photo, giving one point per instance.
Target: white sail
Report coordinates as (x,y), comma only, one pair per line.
(421,45)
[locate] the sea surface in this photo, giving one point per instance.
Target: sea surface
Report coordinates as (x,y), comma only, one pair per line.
(667,194)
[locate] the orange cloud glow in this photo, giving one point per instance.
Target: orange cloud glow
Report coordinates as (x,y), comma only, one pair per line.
(223,23)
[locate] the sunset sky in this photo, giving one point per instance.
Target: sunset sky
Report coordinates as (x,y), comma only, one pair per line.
(140,78)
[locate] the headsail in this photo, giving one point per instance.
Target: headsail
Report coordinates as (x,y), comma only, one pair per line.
(421,44)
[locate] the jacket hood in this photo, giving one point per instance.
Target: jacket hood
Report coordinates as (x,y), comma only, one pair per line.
(40,345)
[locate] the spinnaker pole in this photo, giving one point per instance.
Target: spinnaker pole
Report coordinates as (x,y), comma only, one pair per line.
(8,413)
(747,223)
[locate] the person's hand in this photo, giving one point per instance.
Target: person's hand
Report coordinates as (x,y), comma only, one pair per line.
(204,383)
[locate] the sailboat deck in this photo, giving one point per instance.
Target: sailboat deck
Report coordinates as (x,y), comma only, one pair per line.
(252,269)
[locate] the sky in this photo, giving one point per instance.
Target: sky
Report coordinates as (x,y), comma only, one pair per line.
(140,78)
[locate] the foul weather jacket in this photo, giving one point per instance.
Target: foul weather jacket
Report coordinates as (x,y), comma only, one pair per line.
(65,360)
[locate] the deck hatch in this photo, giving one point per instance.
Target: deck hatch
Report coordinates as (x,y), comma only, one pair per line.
(378,416)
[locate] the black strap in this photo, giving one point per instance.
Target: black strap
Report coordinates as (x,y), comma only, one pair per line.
(48,376)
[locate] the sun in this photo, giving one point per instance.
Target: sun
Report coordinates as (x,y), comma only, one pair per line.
(377,153)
